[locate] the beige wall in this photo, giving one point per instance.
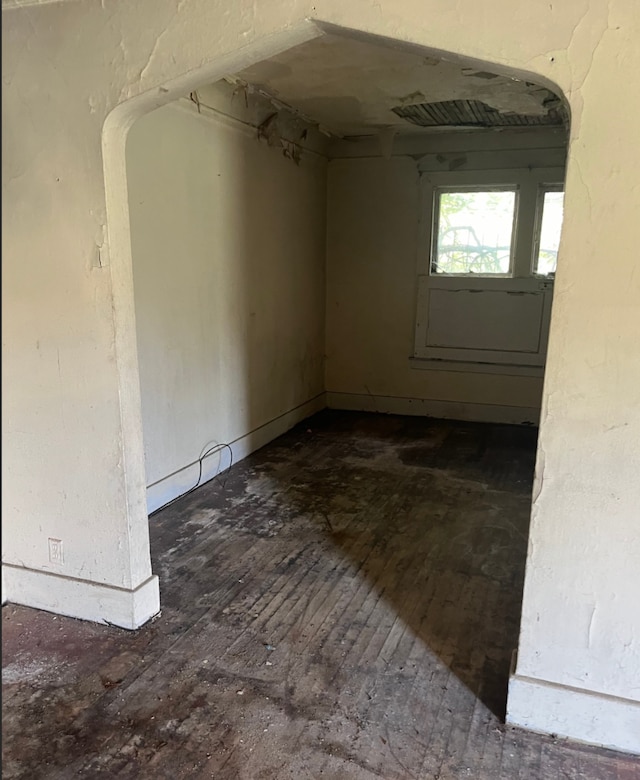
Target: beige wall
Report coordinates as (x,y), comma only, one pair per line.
(375,208)
(228,240)
(73,457)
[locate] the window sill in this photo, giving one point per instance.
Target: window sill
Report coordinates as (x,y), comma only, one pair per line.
(469,367)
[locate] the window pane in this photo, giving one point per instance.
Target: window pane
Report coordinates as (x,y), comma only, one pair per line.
(552,212)
(474,232)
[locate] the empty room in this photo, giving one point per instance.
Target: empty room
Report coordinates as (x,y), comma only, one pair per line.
(321,409)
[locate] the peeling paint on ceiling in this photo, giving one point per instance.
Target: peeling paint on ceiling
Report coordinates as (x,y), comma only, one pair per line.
(473,113)
(353,87)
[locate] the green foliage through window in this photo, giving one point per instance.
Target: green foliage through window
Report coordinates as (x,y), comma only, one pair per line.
(474,232)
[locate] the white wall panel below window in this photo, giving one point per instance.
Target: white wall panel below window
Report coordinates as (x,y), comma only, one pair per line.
(485,319)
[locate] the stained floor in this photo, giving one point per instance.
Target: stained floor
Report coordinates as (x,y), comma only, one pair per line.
(341,604)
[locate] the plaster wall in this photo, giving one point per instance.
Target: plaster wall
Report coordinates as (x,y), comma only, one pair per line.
(228,240)
(373,259)
(73,458)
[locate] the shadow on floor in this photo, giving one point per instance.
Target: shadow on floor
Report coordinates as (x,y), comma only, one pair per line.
(432,516)
(341,604)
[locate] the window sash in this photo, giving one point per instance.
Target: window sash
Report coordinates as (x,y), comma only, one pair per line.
(543,189)
(435,229)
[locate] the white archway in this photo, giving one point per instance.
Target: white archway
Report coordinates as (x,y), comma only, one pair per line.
(577,650)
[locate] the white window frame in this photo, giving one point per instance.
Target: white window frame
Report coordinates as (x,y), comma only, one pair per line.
(521,280)
(439,190)
(537,236)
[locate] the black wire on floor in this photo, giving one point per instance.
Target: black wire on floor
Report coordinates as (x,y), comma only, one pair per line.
(210,451)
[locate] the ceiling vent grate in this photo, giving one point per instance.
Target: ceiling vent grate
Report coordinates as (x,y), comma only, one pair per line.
(474,113)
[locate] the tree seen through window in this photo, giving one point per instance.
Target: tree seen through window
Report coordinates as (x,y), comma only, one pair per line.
(475,232)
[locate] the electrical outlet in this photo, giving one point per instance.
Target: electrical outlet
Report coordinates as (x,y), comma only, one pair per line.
(56,554)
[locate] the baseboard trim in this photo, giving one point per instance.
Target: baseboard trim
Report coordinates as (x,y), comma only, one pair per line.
(426,407)
(177,484)
(586,716)
(81,599)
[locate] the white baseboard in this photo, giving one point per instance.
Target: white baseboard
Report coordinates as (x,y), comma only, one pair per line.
(426,407)
(165,490)
(80,598)
(586,716)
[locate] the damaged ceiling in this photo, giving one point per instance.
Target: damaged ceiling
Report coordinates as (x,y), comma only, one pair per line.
(473,113)
(353,87)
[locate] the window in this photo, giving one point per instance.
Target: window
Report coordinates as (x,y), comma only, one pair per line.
(487,257)
(550,214)
(474,232)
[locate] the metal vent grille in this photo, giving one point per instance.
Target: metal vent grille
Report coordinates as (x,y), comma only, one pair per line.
(472,113)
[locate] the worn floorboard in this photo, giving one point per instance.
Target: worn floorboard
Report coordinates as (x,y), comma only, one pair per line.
(342,604)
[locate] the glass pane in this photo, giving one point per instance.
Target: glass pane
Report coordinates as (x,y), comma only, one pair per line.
(474,232)
(552,212)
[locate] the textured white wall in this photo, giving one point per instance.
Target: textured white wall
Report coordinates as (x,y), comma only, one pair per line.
(73,459)
(228,240)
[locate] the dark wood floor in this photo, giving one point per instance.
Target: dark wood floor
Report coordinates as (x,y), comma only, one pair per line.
(342,604)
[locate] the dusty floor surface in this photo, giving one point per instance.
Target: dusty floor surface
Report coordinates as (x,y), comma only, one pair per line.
(342,604)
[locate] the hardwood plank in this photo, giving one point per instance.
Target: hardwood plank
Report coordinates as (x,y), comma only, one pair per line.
(341,604)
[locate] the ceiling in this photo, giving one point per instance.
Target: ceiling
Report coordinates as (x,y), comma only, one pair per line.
(353,87)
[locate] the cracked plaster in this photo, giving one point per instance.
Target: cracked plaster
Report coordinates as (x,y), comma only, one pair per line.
(74,465)
(351,86)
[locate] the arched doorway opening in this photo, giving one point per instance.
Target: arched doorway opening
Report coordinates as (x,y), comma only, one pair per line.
(467,242)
